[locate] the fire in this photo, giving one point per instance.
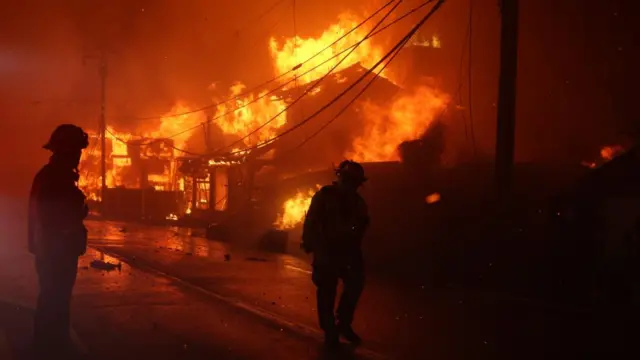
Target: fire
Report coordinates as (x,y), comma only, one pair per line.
(420,40)
(432,198)
(295,209)
(406,118)
(296,50)
(607,153)
(246,114)
(386,127)
(118,157)
(122,148)
(176,126)
(172,217)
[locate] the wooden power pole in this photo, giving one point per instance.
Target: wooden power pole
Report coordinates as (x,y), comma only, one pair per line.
(505,136)
(103,124)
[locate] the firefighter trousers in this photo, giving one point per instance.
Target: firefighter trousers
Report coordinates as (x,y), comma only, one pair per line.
(326,280)
(56,277)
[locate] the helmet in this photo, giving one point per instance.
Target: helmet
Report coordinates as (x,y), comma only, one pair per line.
(351,171)
(67,137)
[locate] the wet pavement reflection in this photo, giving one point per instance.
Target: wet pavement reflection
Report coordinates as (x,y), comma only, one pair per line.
(125,313)
(399,321)
(187,241)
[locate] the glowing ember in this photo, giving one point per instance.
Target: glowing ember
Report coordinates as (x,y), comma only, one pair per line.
(295,209)
(419,40)
(432,198)
(406,118)
(607,153)
(172,217)
(244,116)
(223,162)
(295,51)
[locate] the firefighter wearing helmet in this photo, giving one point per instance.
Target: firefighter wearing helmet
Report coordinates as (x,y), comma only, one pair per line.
(57,237)
(333,231)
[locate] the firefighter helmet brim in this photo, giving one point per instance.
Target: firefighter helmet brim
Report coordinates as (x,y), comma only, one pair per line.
(67,137)
(351,171)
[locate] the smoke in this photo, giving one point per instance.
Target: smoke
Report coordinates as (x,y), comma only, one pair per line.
(158,53)
(162,52)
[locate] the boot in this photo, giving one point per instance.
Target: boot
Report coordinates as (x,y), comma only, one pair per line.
(348,334)
(331,339)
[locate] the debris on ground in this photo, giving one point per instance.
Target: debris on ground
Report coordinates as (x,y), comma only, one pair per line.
(103,265)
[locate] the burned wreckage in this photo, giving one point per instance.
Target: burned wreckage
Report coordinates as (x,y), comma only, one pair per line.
(245,190)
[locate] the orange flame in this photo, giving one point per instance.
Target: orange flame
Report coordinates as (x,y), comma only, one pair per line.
(386,127)
(176,126)
(295,51)
(406,118)
(119,159)
(432,198)
(244,116)
(607,153)
(295,209)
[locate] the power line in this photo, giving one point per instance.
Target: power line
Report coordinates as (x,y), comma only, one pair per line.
(266,12)
(395,21)
(400,44)
(344,108)
(116,137)
(470,91)
(269,30)
(458,93)
(402,17)
(90,154)
(295,68)
(257,19)
(314,85)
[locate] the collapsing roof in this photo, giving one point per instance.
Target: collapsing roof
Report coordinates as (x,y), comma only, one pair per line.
(325,137)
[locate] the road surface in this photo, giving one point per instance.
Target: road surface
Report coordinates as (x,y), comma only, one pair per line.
(131,314)
(396,319)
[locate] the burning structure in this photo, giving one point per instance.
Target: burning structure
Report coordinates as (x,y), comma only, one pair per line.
(159,174)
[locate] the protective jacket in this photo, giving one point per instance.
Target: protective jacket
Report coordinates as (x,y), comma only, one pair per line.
(57,209)
(335,225)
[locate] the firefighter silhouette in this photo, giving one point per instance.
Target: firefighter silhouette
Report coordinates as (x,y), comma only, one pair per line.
(333,230)
(57,237)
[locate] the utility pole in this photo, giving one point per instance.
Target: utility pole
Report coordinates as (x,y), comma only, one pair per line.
(103,124)
(505,136)
(210,170)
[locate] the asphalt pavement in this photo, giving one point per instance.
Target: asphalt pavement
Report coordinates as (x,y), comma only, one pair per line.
(396,319)
(127,313)
(176,295)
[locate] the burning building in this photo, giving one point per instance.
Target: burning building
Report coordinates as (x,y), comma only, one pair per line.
(388,123)
(141,176)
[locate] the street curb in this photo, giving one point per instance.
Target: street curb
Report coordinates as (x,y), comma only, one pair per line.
(277,319)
